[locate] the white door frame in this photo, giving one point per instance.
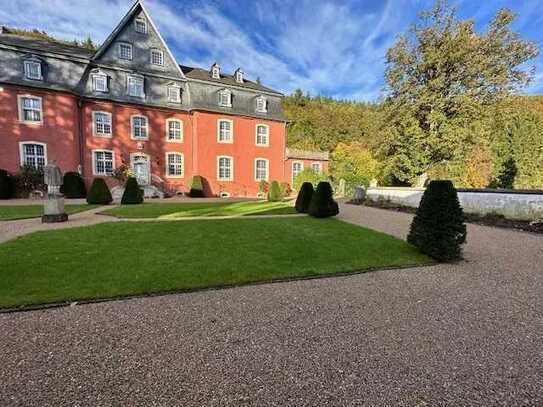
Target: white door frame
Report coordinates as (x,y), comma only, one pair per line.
(148,158)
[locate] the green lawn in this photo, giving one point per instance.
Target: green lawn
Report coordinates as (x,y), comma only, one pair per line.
(197,209)
(124,258)
(13,212)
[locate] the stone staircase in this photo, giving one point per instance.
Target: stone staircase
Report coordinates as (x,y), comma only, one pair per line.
(149,191)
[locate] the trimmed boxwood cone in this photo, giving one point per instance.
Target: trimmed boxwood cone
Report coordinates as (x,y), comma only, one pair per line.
(73,185)
(322,203)
(197,187)
(99,193)
(132,194)
(304,197)
(438,228)
(7,185)
(274,194)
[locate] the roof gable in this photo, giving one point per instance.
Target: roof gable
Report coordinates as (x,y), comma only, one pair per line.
(142,45)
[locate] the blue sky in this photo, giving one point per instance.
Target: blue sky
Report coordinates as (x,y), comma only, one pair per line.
(330,48)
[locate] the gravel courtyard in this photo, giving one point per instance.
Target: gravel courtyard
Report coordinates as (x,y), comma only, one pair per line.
(447,335)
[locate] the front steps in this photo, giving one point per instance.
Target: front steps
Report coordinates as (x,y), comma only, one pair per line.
(149,191)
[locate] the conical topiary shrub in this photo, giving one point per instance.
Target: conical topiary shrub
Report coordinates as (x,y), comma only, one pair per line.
(73,185)
(99,193)
(132,194)
(438,228)
(304,197)
(7,185)
(322,203)
(197,187)
(274,193)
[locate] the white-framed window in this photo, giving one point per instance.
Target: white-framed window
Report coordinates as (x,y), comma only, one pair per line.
(239,75)
(102,124)
(316,167)
(140,25)
(216,71)
(33,154)
(157,57)
(103,162)
(30,109)
(99,82)
(297,168)
(261,169)
(261,104)
(140,127)
(32,69)
(225,98)
(125,51)
(262,135)
(174,94)
(174,131)
(225,168)
(225,131)
(135,86)
(174,165)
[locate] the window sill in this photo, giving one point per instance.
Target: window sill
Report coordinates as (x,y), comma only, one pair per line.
(225,142)
(103,136)
(175,176)
(29,123)
(174,141)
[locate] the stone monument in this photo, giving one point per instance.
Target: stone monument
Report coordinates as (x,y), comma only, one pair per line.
(53,205)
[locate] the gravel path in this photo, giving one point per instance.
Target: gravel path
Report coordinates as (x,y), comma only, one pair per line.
(469,334)
(12,229)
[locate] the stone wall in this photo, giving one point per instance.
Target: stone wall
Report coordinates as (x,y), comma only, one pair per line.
(513,205)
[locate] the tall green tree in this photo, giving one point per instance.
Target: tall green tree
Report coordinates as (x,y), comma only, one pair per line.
(442,77)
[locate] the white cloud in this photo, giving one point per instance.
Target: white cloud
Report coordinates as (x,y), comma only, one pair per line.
(323,47)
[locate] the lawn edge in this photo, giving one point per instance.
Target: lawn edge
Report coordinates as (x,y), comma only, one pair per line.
(53,305)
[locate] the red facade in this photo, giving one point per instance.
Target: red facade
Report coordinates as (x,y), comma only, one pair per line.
(67,130)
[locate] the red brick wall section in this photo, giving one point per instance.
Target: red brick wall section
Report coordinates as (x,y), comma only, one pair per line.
(243,150)
(123,145)
(58,129)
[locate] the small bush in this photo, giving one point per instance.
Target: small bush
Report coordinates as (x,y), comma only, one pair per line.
(29,179)
(286,190)
(304,197)
(197,187)
(322,203)
(73,186)
(99,193)
(132,194)
(274,194)
(263,187)
(309,175)
(438,228)
(7,185)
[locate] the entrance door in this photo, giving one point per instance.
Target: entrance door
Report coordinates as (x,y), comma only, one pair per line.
(141,168)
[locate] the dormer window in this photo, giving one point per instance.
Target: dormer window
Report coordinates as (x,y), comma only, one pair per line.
(125,51)
(225,98)
(99,81)
(261,104)
(157,57)
(140,25)
(32,69)
(239,75)
(215,71)
(174,93)
(135,86)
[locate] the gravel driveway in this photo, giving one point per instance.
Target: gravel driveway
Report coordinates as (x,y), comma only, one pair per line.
(469,334)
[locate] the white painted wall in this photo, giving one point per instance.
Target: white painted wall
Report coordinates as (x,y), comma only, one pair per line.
(510,205)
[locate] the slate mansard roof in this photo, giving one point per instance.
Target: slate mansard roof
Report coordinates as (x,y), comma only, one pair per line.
(70,68)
